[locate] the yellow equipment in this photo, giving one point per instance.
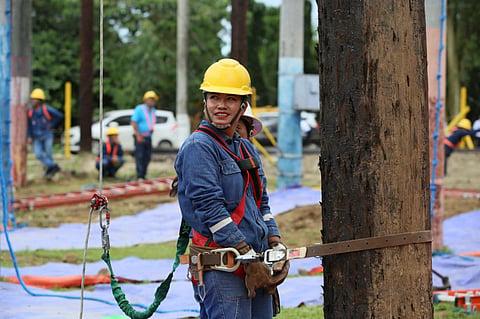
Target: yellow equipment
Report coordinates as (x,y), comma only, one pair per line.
(227,76)
(150,95)
(38,94)
(112,130)
(465,124)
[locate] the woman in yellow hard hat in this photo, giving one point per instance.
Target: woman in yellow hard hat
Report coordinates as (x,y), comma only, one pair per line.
(112,153)
(462,129)
(222,196)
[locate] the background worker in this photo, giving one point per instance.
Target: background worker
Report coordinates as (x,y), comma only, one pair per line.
(249,126)
(112,154)
(42,118)
(223,204)
(143,122)
(462,129)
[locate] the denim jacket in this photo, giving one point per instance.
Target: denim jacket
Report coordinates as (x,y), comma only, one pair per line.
(39,126)
(210,186)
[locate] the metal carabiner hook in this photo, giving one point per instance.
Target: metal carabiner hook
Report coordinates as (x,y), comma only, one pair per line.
(104,221)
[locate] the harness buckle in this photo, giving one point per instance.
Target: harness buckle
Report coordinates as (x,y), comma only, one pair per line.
(228,260)
(271,256)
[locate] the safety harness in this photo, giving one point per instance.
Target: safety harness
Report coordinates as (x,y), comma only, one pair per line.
(45,113)
(110,152)
(249,168)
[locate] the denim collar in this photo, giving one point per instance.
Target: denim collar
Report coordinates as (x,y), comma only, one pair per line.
(221,133)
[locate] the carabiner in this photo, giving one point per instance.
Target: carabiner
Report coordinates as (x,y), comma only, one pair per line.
(104,221)
(230,264)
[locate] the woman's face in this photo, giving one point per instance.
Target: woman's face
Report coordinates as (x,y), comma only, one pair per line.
(223,108)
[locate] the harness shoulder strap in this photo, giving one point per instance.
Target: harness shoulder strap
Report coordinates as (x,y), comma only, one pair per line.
(46,113)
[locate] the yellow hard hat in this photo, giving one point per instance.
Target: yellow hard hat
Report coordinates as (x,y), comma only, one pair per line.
(38,94)
(227,76)
(256,123)
(465,124)
(150,95)
(112,130)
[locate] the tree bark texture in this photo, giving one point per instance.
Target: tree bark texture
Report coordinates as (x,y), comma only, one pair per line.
(374,155)
(86,75)
(239,31)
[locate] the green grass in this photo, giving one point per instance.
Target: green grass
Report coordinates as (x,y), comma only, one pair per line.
(301,312)
(448,311)
(75,256)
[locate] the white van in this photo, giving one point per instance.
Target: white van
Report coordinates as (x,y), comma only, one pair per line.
(165,135)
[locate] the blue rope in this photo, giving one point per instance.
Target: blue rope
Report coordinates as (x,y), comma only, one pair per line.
(438,108)
(6,164)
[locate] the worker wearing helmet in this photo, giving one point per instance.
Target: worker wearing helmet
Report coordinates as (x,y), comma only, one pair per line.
(462,129)
(222,196)
(112,153)
(249,126)
(42,119)
(143,122)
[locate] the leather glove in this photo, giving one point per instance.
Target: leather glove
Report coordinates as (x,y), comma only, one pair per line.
(258,275)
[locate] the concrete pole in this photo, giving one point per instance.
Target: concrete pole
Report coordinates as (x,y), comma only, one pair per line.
(20,86)
(290,65)
(432,17)
(182,69)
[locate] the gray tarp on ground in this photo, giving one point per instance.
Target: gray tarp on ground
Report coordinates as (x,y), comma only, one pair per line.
(150,226)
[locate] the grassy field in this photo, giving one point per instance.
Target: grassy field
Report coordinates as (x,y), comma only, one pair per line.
(299,227)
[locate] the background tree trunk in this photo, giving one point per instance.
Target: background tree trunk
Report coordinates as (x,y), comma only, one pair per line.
(239,31)
(453,87)
(86,76)
(375,160)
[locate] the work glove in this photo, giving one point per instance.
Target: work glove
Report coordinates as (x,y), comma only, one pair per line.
(258,275)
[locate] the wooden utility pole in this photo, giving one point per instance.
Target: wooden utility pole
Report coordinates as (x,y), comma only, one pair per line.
(182,69)
(375,159)
(20,86)
(86,76)
(239,31)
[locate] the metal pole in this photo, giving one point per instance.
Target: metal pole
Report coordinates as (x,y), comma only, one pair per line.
(290,65)
(182,69)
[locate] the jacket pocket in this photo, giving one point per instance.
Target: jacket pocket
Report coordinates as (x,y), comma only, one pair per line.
(232,183)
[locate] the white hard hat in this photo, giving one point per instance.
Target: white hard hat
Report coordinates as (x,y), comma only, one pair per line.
(257,125)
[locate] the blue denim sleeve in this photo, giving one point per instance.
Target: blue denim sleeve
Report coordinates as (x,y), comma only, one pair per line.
(57,116)
(202,177)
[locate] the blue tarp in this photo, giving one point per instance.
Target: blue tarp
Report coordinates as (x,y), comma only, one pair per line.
(150,226)
(461,232)
(15,303)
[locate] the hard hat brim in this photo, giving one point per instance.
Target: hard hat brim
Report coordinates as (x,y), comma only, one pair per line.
(257,125)
(225,90)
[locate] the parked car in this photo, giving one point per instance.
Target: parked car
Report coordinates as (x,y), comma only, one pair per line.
(164,135)
(308,125)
